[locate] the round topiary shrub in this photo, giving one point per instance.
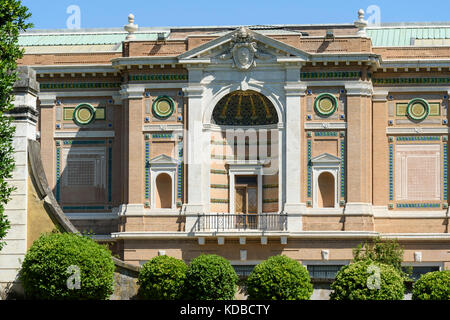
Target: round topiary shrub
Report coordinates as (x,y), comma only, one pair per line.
(210,277)
(279,278)
(162,278)
(432,286)
(368,280)
(67,266)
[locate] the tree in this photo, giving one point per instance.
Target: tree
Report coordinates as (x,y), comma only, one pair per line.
(13,18)
(388,252)
(162,278)
(432,286)
(279,278)
(210,277)
(367,280)
(67,266)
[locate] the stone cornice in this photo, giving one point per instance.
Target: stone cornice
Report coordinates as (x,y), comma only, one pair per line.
(417,130)
(47,100)
(359,88)
(132,92)
(193,91)
(325,125)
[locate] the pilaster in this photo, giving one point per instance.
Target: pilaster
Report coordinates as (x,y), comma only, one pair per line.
(293,91)
(380,157)
(25,118)
(359,157)
(196,156)
(133,147)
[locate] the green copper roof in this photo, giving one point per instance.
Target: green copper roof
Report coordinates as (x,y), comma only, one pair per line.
(401,36)
(67,39)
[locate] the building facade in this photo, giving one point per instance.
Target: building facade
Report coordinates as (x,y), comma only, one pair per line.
(248,142)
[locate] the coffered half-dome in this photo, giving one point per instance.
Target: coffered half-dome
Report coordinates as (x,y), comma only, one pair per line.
(245,108)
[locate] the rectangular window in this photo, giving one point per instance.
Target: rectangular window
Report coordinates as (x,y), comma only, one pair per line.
(417,272)
(417,172)
(323,271)
(243,270)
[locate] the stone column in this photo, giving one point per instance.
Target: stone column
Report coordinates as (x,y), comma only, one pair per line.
(25,117)
(358,209)
(133,150)
(293,206)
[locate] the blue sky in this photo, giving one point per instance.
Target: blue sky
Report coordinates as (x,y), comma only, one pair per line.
(51,14)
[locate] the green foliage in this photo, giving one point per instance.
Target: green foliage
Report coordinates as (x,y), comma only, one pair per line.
(279,278)
(388,252)
(45,274)
(12,21)
(432,286)
(357,281)
(162,278)
(210,277)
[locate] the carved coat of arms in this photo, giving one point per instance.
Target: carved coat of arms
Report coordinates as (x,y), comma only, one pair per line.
(244,50)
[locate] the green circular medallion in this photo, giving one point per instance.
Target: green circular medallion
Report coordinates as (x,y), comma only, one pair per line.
(163,107)
(84,114)
(325,104)
(418,109)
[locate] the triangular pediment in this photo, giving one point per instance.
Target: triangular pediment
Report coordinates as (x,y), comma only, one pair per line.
(266,48)
(163,159)
(325,158)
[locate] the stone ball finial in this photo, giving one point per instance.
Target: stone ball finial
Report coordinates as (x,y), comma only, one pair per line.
(361,24)
(361,14)
(131,27)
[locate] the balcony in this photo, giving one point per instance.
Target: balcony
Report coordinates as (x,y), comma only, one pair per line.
(241,222)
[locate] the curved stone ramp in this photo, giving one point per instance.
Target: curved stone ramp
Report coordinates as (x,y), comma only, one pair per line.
(126,274)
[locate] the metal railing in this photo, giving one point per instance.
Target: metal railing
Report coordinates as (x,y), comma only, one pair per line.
(239,222)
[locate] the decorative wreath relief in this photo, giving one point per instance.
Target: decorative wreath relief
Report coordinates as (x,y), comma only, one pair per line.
(163,107)
(418,109)
(84,114)
(325,104)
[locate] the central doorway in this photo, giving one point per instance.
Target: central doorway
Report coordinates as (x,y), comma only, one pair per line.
(246,201)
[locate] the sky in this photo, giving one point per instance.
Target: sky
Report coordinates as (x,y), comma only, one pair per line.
(51,14)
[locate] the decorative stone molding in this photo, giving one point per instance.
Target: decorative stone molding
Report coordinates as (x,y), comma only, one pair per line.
(358,208)
(325,125)
(244,50)
(243,255)
(132,92)
(359,88)
(47,100)
(418,256)
(325,254)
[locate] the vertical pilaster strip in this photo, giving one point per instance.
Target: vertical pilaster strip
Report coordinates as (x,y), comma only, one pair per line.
(58,173)
(147,171)
(391,172)
(343,167)
(309,172)
(109,173)
(445,174)
(180,171)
